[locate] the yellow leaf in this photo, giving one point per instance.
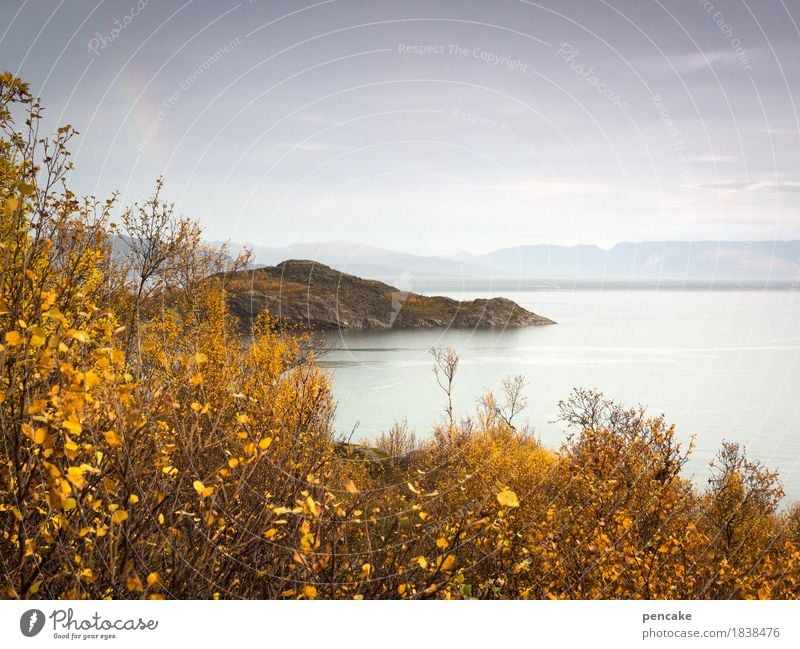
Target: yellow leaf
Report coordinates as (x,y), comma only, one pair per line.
(10,206)
(13,338)
(201,489)
(26,189)
(134,583)
(200,358)
(508,498)
(441,543)
(80,336)
(88,574)
(68,503)
(154,579)
(264,444)
(112,439)
(75,476)
(242,419)
(40,435)
(71,449)
(37,340)
(270,533)
(119,516)
(448,562)
(133,499)
(422,562)
(72,426)
(55,314)
(27,430)
(90,379)
(197,379)
(312,506)
(310,592)
(350,486)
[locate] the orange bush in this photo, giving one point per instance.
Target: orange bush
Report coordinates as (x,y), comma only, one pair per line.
(150,450)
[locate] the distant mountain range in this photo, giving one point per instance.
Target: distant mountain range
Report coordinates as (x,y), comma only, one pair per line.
(742,264)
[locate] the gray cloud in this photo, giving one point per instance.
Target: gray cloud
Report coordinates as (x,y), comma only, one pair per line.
(752,186)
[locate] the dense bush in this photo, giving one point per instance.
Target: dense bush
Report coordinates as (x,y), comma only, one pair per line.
(148,450)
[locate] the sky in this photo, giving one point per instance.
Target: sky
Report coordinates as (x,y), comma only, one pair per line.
(430,127)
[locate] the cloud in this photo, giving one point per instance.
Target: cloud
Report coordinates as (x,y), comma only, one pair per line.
(539,188)
(757,186)
(311,147)
(701,60)
(791,131)
(712,158)
(693,61)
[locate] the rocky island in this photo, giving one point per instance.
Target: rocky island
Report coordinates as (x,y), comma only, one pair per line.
(310,294)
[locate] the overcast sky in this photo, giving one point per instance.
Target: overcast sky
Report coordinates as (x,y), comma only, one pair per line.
(430,127)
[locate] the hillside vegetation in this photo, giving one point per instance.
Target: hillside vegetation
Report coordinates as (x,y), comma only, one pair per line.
(149,450)
(307,293)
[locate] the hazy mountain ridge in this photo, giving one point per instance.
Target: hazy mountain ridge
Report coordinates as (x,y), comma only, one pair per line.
(650,260)
(668,263)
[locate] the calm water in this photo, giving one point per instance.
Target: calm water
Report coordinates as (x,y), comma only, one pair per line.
(719,364)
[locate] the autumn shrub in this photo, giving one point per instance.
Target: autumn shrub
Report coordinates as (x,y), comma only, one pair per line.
(749,546)
(151,448)
(156,465)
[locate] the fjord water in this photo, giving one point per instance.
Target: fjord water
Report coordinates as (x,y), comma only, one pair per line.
(722,365)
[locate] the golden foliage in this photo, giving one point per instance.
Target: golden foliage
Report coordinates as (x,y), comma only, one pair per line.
(150,450)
